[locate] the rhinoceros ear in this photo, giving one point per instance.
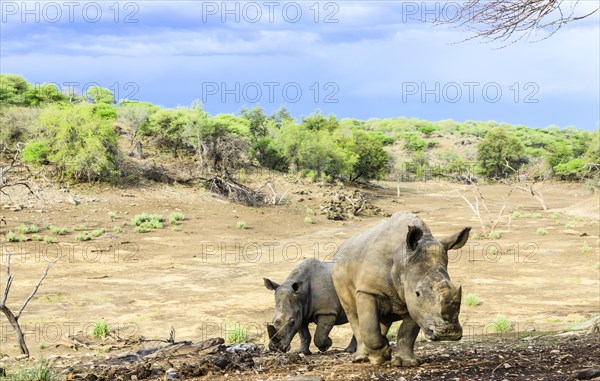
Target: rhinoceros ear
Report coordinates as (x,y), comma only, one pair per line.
(296,286)
(269,284)
(413,236)
(458,240)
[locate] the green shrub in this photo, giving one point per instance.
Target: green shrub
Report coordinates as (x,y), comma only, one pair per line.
(517,215)
(36,237)
(241,225)
(569,225)
(472,300)
(83,237)
(502,324)
(555,215)
(175,217)
(147,222)
(98,232)
(41,371)
(100,330)
(520,206)
(494,235)
(58,230)
(475,236)
(26,229)
(112,215)
(76,141)
(237,335)
(117,229)
(597,267)
(310,211)
(586,249)
(308,220)
(79,228)
(13,237)
(48,239)
(541,231)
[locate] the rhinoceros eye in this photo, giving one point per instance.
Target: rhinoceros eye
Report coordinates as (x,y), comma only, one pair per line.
(418,294)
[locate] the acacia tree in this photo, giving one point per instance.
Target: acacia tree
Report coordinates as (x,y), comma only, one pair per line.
(498,149)
(512,20)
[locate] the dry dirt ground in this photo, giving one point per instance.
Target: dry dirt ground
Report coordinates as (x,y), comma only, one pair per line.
(203,276)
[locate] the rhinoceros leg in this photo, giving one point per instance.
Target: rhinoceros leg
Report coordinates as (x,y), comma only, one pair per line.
(376,346)
(325,324)
(304,339)
(407,334)
(351,348)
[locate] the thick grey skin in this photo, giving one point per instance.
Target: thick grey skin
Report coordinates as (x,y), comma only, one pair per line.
(306,296)
(395,271)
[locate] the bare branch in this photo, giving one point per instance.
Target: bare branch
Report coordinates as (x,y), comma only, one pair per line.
(510,21)
(35,289)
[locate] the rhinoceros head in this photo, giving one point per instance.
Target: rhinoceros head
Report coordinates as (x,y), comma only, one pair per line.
(431,298)
(287,318)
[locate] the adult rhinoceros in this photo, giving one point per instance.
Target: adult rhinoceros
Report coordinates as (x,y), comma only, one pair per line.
(394,271)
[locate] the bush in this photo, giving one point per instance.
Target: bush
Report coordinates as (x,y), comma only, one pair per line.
(41,371)
(413,143)
(59,231)
(98,232)
(48,239)
(77,142)
(308,220)
(83,237)
(472,300)
(237,335)
(494,235)
(175,217)
(117,229)
(26,229)
(241,225)
(100,330)
(495,150)
(502,324)
(541,231)
(586,249)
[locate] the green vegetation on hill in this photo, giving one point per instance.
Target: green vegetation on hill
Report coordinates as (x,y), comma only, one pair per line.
(89,137)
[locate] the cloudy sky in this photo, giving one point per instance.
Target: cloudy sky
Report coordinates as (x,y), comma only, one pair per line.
(359,59)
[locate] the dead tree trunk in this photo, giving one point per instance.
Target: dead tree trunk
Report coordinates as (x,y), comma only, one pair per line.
(13,319)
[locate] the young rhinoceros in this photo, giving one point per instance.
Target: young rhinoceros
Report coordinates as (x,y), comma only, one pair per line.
(397,270)
(306,296)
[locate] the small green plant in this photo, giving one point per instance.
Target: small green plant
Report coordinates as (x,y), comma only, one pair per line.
(237,335)
(49,239)
(502,324)
(241,225)
(12,236)
(40,371)
(472,300)
(517,215)
(536,215)
(475,236)
(594,223)
(26,229)
(597,266)
(570,225)
(117,229)
(586,249)
(520,206)
(147,222)
(112,215)
(58,230)
(42,346)
(555,215)
(541,231)
(83,237)
(598,242)
(308,220)
(570,326)
(310,211)
(100,330)
(36,237)
(80,228)
(98,232)
(494,235)
(175,217)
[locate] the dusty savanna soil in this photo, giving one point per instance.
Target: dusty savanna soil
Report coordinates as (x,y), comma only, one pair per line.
(203,276)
